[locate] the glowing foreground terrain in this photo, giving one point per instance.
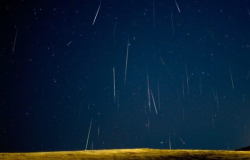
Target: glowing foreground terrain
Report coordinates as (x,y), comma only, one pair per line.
(128,154)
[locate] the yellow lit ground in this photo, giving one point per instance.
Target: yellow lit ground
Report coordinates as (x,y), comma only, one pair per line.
(128,154)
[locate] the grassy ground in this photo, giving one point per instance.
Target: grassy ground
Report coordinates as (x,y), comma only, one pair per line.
(128,154)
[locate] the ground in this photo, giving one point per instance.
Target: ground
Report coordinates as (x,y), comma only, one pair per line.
(128,154)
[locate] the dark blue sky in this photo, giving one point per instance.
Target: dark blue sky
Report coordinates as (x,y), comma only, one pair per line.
(57,74)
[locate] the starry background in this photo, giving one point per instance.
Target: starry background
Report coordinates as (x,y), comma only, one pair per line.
(57,74)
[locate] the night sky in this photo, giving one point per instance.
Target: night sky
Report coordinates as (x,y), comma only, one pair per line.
(149,73)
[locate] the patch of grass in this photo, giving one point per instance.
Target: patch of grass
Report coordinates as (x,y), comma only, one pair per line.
(129,154)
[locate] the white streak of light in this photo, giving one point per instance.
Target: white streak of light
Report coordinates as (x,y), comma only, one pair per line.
(96,14)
